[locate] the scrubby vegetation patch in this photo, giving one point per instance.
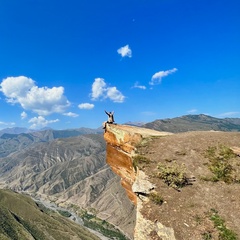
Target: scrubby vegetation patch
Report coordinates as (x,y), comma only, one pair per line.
(173,175)
(219,224)
(221,164)
(139,161)
(156,198)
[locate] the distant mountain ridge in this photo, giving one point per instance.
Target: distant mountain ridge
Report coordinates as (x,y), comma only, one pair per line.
(14,130)
(14,139)
(199,122)
(57,133)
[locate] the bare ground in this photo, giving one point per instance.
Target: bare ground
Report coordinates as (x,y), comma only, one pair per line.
(187,211)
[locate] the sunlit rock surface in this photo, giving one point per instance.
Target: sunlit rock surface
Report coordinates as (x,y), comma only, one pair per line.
(122,141)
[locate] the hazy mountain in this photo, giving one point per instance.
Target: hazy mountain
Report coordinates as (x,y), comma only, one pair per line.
(69,171)
(195,122)
(11,142)
(14,130)
(233,120)
(22,218)
(63,133)
(139,124)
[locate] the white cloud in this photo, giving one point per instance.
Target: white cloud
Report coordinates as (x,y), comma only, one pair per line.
(100,90)
(43,101)
(6,124)
(86,106)
(125,51)
(192,111)
(40,122)
(229,114)
(115,95)
(70,114)
(23,115)
(157,77)
(136,85)
(16,87)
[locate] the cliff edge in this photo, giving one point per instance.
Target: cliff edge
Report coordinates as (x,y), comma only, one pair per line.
(184,186)
(122,142)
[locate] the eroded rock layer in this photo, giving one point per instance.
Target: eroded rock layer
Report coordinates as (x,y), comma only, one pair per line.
(122,141)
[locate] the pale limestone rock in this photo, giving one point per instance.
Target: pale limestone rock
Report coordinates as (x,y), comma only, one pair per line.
(144,227)
(142,184)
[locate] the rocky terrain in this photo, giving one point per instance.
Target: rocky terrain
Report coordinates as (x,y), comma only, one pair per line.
(70,172)
(22,218)
(187,185)
(15,139)
(199,122)
(212,187)
(69,168)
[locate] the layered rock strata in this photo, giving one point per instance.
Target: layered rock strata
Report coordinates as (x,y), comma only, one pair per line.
(122,141)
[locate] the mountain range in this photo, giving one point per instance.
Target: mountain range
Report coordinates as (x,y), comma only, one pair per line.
(199,122)
(68,167)
(69,172)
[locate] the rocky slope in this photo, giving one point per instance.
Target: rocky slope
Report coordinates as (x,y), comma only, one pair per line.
(184,186)
(71,172)
(22,218)
(199,122)
(122,141)
(15,139)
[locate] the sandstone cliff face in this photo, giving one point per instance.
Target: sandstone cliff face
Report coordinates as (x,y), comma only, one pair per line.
(122,141)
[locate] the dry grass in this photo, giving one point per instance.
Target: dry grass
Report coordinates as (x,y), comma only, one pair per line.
(180,208)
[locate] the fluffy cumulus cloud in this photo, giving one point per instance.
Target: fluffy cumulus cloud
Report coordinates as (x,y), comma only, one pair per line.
(100,91)
(87,106)
(40,122)
(115,95)
(125,51)
(41,100)
(98,88)
(157,77)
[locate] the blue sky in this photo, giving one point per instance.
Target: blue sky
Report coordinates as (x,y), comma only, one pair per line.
(62,63)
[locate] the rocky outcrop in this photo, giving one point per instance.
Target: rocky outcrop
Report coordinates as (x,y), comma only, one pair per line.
(122,142)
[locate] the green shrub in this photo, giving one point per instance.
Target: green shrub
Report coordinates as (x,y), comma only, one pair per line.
(173,175)
(156,198)
(207,236)
(139,161)
(97,224)
(219,164)
(219,224)
(64,213)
